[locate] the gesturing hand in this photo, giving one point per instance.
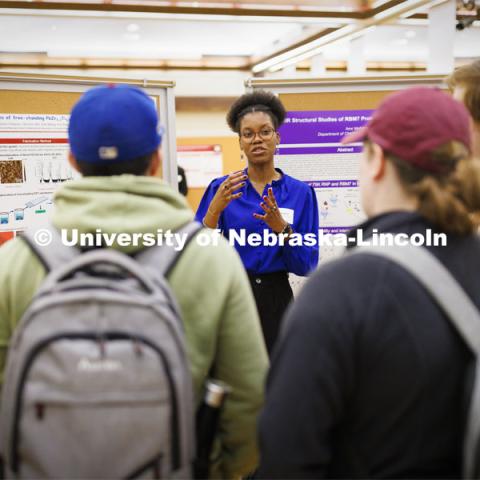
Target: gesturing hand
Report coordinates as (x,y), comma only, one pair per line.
(273,218)
(225,193)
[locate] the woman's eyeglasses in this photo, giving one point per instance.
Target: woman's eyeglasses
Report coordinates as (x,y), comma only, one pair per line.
(264,134)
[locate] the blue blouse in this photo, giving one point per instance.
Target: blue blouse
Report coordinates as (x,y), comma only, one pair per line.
(291,194)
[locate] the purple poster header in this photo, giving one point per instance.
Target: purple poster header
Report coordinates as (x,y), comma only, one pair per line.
(335,230)
(317,150)
(332,183)
(323,126)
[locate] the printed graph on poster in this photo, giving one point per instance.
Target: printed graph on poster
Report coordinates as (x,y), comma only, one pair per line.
(32,213)
(33,164)
(339,208)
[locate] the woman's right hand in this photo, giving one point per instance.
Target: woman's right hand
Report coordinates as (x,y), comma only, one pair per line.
(226,192)
(224,195)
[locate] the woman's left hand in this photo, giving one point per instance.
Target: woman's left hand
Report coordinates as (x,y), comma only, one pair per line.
(273,218)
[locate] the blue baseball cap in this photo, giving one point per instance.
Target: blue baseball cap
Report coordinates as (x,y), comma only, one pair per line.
(113,123)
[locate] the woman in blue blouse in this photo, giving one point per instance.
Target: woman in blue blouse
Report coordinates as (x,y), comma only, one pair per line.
(262,199)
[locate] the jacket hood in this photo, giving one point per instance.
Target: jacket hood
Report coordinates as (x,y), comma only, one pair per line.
(120,204)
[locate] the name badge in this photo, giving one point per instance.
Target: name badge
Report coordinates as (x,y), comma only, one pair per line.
(288,214)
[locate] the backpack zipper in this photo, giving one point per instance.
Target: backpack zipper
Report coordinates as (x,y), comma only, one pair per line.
(109,336)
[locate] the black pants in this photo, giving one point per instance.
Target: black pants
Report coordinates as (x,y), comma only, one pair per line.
(272,294)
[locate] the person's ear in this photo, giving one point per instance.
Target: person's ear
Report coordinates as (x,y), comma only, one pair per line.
(376,162)
(73,161)
(277,135)
(155,164)
(242,151)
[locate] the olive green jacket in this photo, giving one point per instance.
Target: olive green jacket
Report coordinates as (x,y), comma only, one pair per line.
(220,318)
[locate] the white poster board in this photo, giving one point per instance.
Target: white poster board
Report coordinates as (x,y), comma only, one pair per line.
(202,163)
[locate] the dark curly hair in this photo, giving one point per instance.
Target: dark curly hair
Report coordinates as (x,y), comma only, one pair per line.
(259,101)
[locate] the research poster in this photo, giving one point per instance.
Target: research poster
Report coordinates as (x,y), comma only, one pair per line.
(33,164)
(202,163)
(310,150)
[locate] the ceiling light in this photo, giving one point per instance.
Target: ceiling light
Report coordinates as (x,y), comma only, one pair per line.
(422,8)
(347,32)
(342,34)
(133,27)
(304,49)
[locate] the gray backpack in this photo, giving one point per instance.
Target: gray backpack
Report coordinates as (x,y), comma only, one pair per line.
(97,382)
(464,316)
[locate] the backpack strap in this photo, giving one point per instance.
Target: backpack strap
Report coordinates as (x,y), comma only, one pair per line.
(56,253)
(461,312)
(53,255)
(161,259)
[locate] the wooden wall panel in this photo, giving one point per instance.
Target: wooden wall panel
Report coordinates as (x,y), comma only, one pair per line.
(40,102)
